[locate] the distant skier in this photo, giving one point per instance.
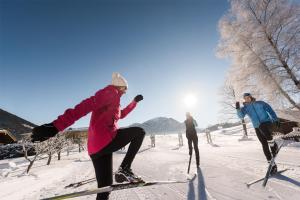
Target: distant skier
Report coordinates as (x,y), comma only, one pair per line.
(191,135)
(104,136)
(152,137)
(208,136)
(263,119)
(180,140)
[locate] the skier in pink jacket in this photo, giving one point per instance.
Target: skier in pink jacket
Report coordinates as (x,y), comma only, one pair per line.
(104,136)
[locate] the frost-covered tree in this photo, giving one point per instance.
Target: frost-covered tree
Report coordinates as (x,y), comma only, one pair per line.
(228,110)
(47,147)
(262,38)
(40,148)
(61,143)
(56,145)
(50,148)
(80,142)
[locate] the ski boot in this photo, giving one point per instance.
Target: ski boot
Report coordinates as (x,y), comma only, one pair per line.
(126,175)
(273,170)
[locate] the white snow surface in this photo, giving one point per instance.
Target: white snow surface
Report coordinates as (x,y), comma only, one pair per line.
(225,168)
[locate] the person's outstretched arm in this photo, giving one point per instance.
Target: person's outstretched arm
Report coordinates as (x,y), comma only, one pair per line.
(100,100)
(131,106)
(241,113)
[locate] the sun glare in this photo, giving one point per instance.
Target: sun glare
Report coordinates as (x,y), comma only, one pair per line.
(190,100)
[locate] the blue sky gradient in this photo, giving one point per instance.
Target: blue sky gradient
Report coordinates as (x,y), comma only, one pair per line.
(53,54)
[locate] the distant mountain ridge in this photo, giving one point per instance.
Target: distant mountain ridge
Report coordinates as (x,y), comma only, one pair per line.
(14,124)
(162,125)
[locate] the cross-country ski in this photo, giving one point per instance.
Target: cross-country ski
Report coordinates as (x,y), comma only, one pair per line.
(114,187)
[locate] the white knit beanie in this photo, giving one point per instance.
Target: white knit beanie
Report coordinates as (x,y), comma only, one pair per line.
(118,80)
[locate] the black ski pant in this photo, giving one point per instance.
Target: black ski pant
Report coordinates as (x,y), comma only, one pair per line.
(103,162)
(264,133)
(193,139)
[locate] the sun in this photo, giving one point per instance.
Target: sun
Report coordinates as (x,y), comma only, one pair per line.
(190,100)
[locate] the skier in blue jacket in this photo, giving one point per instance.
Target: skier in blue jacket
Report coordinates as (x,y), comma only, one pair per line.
(263,119)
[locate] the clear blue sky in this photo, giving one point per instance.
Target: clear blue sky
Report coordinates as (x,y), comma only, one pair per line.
(55,53)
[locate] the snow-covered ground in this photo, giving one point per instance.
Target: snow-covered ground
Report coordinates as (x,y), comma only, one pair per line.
(225,168)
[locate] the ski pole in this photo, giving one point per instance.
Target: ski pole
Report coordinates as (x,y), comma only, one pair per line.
(80,183)
(189,164)
(272,163)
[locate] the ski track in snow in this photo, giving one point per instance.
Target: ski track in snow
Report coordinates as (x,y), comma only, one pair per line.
(180,195)
(225,168)
(274,192)
(263,161)
(209,195)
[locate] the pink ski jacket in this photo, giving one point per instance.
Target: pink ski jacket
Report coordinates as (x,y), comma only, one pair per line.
(106,111)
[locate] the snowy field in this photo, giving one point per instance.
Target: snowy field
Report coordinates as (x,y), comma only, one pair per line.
(225,168)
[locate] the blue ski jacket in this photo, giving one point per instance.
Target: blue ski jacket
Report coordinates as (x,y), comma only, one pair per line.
(259,112)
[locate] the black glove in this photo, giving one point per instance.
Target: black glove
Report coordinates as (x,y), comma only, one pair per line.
(138,98)
(237,105)
(43,132)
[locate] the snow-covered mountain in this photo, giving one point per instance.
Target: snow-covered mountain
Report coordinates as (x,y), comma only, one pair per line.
(161,125)
(14,124)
